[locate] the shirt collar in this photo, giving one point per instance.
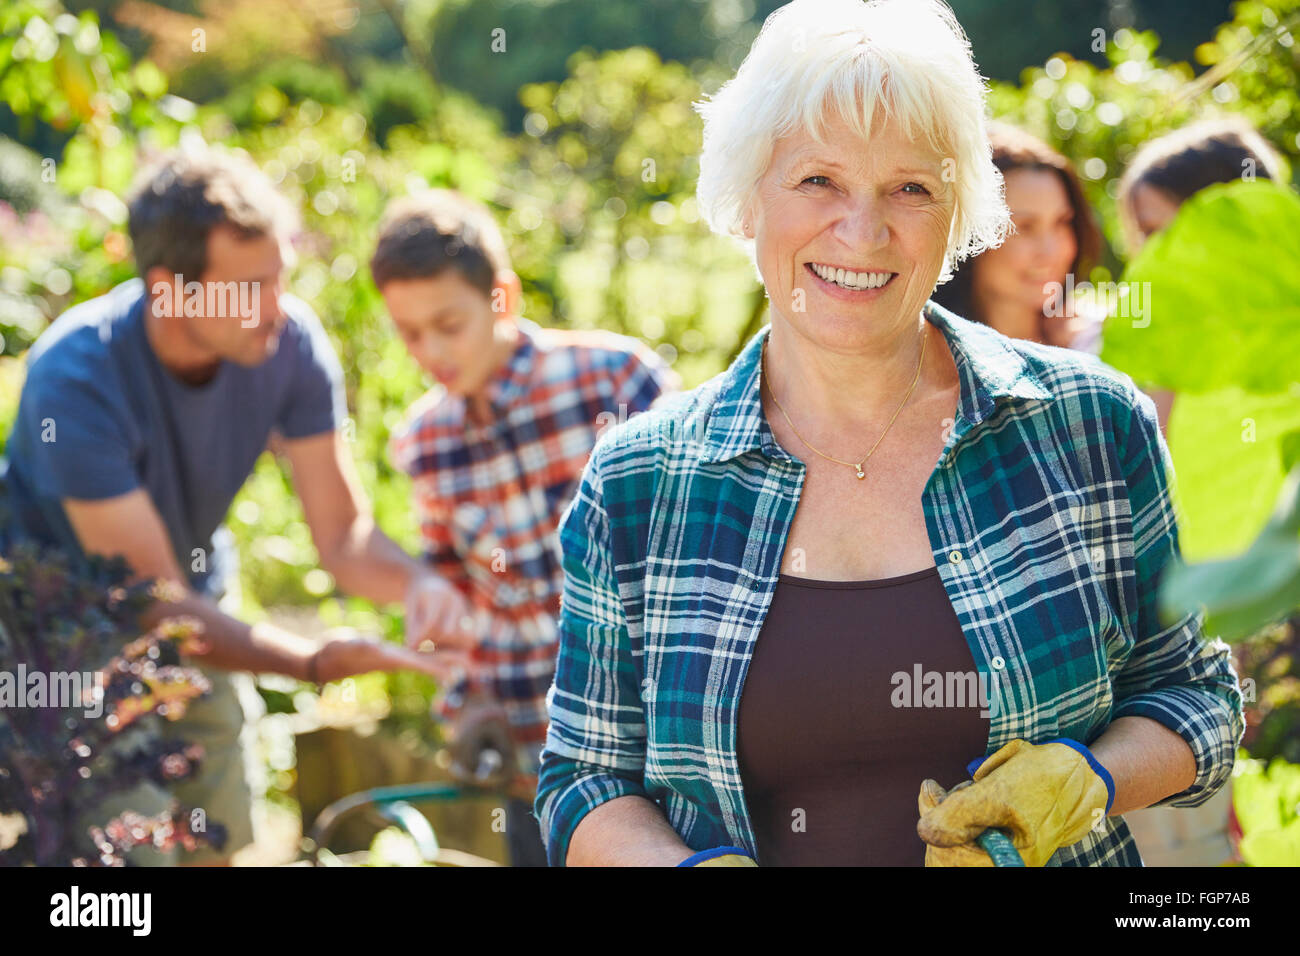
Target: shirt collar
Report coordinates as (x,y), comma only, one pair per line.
(988,366)
(510,381)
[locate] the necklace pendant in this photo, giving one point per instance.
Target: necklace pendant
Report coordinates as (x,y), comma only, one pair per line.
(861,474)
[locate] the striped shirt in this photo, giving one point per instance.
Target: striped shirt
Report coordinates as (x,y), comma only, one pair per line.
(488,498)
(1050,520)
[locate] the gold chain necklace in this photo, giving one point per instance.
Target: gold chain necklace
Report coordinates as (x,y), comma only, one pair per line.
(858,465)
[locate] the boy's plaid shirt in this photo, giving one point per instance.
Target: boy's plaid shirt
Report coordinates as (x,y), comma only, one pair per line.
(489,498)
(1050,520)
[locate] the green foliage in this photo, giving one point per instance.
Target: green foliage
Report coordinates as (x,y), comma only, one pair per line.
(1245,593)
(294,80)
(23,184)
(63,70)
(607,216)
(1226,447)
(1257,58)
(1075,27)
(488,48)
(1224,297)
(1267,804)
(396,95)
(1221,327)
(1099,116)
(589,162)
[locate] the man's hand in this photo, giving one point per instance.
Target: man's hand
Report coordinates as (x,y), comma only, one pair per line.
(437,612)
(1045,796)
(345,653)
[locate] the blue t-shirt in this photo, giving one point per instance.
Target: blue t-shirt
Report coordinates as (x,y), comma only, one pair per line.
(100,416)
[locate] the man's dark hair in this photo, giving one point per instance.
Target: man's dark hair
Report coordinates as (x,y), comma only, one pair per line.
(437,229)
(178,200)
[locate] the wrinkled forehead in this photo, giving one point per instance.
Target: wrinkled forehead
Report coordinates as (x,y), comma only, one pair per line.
(887,146)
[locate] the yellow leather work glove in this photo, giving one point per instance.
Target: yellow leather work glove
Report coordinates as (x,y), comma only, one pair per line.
(1045,796)
(720,856)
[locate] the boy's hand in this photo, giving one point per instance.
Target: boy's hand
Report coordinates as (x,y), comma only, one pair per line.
(438,613)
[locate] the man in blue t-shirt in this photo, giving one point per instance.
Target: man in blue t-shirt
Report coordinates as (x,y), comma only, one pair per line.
(144,411)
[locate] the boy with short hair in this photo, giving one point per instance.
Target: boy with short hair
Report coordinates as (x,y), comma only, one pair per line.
(495,453)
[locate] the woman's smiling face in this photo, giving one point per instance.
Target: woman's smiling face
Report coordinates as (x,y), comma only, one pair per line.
(882,208)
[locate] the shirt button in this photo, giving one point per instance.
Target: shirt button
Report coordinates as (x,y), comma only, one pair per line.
(998,663)
(955,557)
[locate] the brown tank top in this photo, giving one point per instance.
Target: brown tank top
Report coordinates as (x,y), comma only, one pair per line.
(839,722)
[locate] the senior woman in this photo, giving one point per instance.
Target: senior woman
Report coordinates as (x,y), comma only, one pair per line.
(771,581)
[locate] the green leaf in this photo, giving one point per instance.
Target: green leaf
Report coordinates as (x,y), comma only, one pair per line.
(149,79)
(1265,802)
(1280,847)
(1244,594)
(1291,450)
(1228,461)
(1223,297)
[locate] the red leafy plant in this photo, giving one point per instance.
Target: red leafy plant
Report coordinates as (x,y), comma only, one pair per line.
(83,700)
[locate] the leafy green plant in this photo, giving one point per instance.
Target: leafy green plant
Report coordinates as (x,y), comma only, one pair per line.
(1221,286)
(1224,305)
(62,753)
(1248,592)
(1266,799)
(1220,326)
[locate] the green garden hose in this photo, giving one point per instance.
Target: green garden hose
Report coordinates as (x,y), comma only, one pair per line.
(999,846)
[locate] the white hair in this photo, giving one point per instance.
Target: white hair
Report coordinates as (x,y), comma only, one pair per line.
(909,57)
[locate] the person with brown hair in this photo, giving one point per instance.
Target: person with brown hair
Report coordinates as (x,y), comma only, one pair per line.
(1168,171)
(142,414)
(1017,287)
(1164,174)
(495,451)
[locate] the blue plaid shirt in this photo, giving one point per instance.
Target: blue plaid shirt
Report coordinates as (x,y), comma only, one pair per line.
(1050,519)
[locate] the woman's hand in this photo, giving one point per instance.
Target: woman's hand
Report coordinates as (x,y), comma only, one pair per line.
(1045,796)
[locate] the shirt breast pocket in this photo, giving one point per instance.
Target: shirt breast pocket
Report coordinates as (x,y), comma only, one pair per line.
(1096,534)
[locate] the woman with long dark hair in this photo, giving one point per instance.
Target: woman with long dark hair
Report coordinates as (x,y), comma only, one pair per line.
(1018,287)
